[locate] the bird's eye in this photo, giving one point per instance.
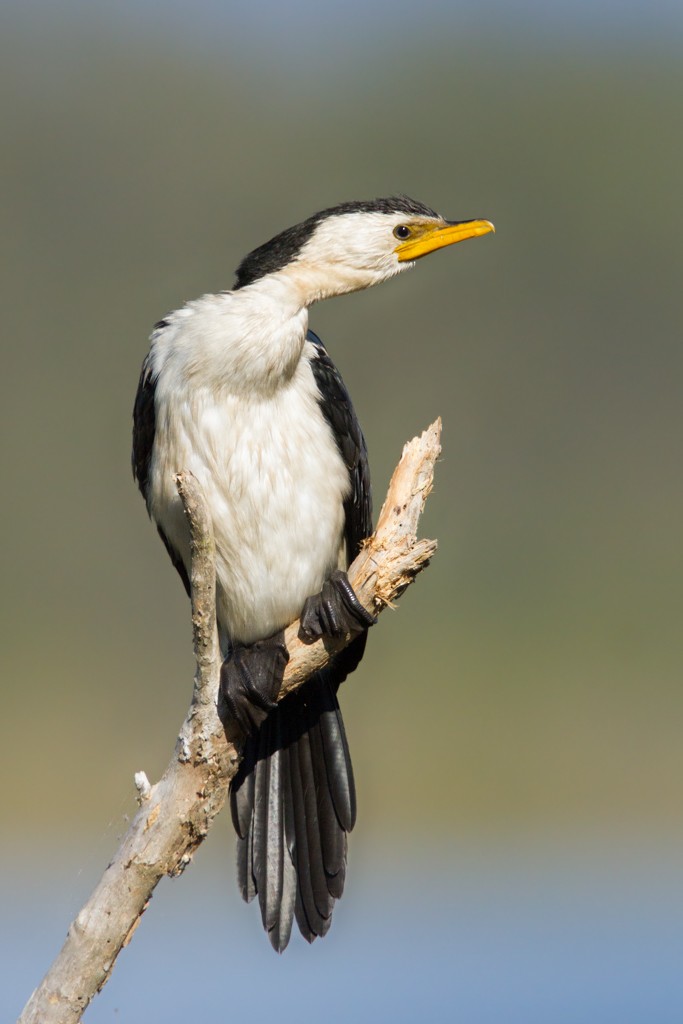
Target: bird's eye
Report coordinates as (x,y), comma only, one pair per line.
(402,231)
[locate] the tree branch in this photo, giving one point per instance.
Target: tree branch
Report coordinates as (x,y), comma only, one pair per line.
(176,813)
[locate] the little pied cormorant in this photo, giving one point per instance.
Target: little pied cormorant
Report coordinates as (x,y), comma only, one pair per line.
(236,389)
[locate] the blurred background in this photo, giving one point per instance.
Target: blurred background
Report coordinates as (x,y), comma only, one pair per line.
(516,724)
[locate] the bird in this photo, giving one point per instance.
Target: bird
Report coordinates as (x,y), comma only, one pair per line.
(238,390)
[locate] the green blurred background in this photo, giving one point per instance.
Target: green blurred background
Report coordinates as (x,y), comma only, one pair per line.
(527,688)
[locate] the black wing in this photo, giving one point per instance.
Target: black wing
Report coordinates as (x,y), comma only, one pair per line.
(144,427)
(338,410)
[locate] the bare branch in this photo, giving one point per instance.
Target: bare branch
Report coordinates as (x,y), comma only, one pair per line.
(176,813)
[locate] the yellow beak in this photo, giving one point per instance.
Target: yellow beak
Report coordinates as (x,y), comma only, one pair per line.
(438,237)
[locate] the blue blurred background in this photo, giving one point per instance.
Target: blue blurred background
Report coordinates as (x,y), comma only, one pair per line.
(516,724)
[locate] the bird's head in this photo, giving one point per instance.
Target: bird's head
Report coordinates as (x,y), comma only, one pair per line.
(354,245)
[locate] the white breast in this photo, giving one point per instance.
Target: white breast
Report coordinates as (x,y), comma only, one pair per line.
(275,485)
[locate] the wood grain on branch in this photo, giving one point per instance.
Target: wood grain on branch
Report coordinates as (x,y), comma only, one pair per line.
(176,813)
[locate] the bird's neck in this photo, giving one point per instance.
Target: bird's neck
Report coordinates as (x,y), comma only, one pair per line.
(269,333)
(250,341)
(265,325)
(308,282)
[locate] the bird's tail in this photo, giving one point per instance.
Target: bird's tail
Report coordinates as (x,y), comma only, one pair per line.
(293,802)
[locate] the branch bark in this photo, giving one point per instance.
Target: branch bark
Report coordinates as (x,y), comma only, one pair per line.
(176,813)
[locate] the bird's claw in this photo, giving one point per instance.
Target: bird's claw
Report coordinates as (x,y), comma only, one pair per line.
(250,681)
(335,611)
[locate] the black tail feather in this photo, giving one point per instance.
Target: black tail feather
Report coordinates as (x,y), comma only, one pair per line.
(336,758)
(308,860)
(332,837)
(245,867)
(293,801)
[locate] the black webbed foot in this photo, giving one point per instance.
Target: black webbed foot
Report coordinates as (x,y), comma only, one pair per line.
(251,677)
(335,611)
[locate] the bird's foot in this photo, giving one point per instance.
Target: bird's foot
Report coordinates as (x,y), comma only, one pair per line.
(335,611)
(251,677)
